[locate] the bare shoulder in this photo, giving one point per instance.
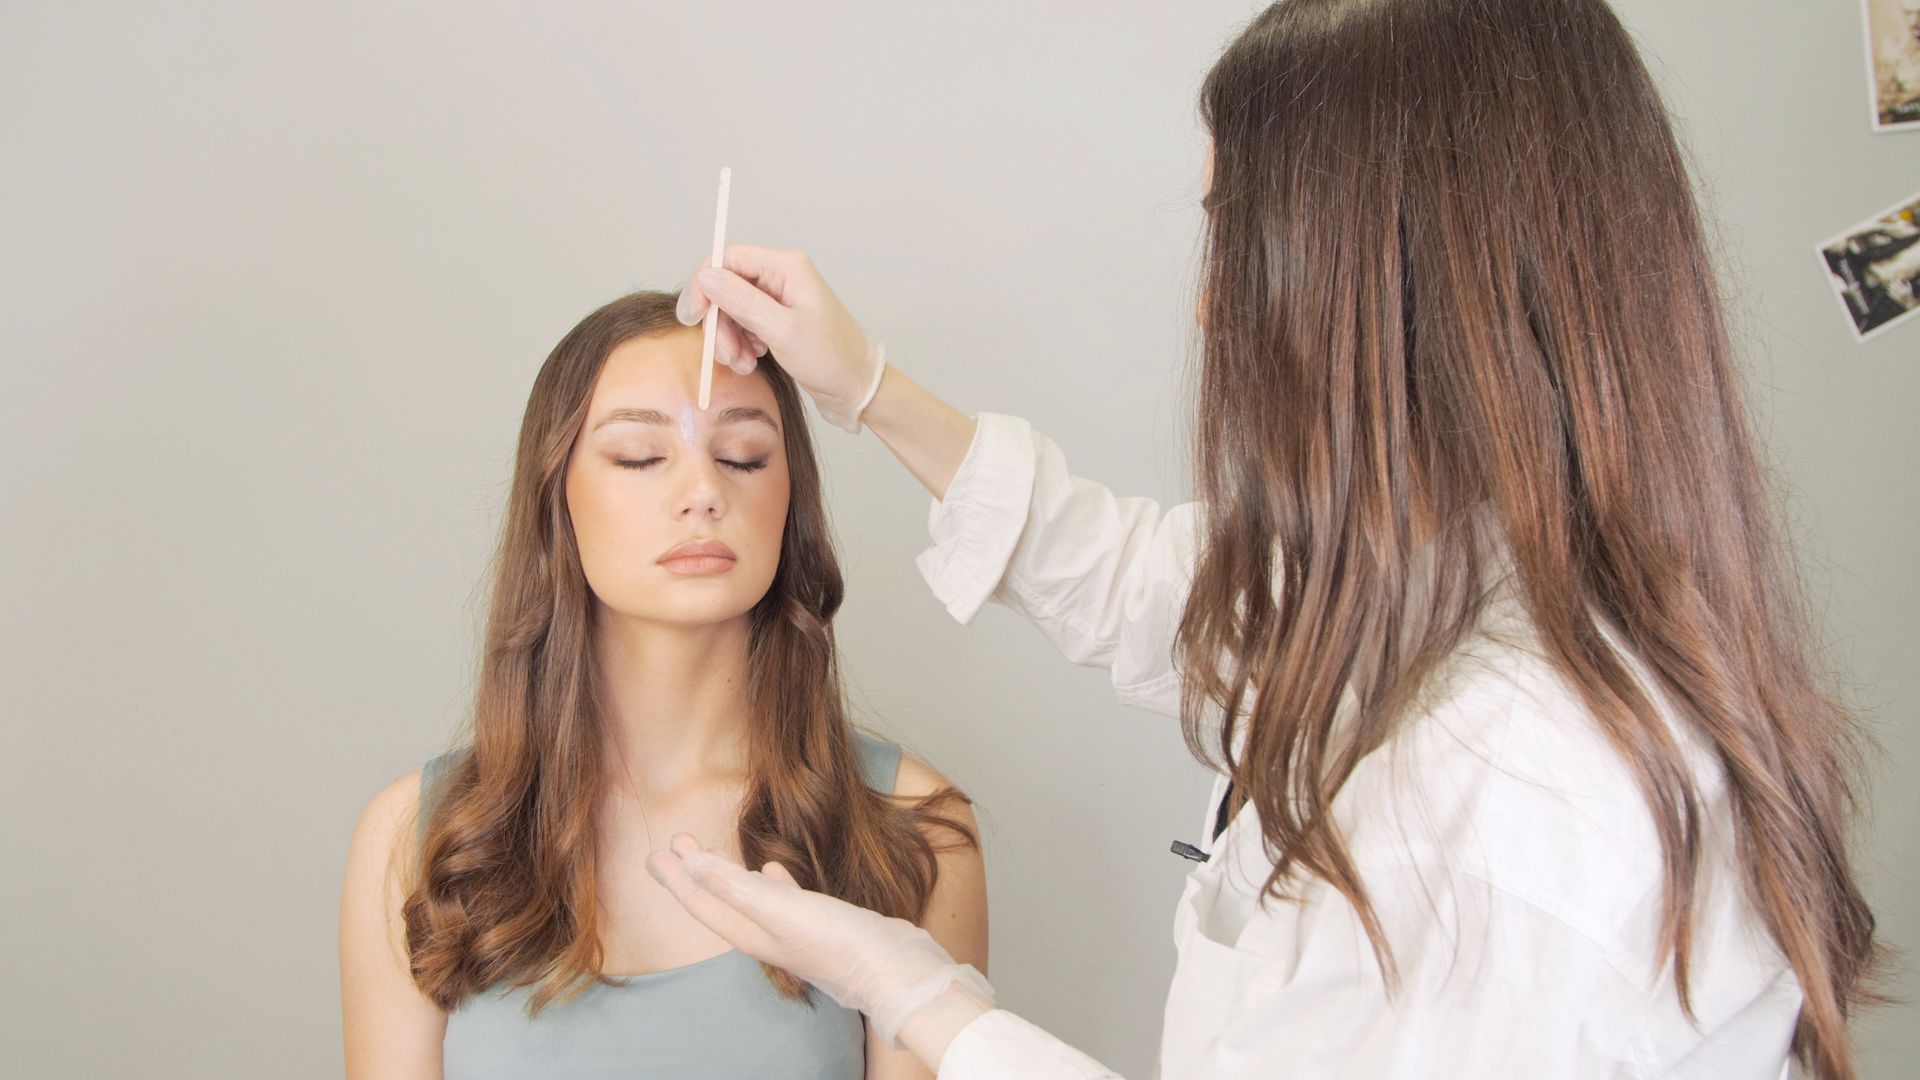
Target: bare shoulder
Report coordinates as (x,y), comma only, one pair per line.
(917,779)
(382,834)
(390,811)
(396,799)
(391,1028)
(372,939)
(957,910)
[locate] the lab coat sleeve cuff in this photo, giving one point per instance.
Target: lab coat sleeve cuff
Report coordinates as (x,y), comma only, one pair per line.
(976,527)
(1001,1046)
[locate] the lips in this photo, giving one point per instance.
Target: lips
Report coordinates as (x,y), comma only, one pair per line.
(699,557)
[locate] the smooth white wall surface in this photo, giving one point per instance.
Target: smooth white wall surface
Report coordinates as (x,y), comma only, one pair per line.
(277,284)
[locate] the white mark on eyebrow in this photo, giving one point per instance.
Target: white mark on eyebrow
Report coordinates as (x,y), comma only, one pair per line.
(686,424)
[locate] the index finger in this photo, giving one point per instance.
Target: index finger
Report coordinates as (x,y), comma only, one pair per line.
(715,913)
(772,269)
(767,269)
(755,895)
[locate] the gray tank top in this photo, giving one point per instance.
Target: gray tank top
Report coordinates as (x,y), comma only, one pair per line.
(703,1021)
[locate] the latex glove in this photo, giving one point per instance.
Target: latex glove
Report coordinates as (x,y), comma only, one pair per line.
(775,301)
(887,968)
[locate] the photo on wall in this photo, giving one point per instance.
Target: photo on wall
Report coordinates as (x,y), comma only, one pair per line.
(1893,63)
(1875,267)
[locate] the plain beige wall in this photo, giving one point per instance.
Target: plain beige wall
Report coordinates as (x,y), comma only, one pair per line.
(276,288)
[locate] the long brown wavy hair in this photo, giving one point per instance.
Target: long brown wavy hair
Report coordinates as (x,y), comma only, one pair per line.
(504,891)
(1453,260)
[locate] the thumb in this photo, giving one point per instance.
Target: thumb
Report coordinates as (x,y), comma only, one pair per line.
(692,304)
(691,307)
(759,313)
(780,874)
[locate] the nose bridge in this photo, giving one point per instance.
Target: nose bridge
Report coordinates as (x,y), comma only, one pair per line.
(697,490)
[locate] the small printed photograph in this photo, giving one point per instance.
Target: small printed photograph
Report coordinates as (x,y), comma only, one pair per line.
(1875,267)
(1893,63)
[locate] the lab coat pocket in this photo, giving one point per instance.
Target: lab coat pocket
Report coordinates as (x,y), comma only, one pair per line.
(1210,981)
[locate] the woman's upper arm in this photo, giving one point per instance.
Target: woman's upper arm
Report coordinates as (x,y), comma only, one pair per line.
(392,1030)
(1104,577)
(956,912)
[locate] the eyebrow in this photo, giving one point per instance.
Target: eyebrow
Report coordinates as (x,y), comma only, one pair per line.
(737,414)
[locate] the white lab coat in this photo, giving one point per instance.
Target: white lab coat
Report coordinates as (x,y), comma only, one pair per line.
(1506,849)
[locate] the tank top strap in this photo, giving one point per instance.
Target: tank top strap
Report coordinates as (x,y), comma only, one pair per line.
(879,761)
(430,776)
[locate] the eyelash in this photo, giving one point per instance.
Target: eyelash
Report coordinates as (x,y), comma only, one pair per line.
(736,466)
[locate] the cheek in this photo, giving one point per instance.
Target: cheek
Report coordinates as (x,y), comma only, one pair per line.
(766,516)
(606,526)
(773,516)
(587,505)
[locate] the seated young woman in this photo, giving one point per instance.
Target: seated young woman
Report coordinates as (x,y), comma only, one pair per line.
(659,658)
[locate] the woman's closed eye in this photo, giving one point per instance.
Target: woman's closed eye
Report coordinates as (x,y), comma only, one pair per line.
(737,466)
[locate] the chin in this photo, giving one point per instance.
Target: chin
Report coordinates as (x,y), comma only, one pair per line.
(695,619)
(690,611)
(686,602)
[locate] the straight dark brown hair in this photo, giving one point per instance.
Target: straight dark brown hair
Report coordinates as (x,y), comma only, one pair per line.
(1453,261)
(504,888)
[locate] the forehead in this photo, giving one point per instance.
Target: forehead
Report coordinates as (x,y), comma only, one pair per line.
(662,371)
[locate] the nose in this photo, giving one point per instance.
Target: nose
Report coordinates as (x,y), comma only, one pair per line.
(700,497)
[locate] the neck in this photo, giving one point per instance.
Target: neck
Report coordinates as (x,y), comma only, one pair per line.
(676,702)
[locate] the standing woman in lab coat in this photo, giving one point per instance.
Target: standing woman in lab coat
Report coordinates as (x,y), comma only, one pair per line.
(1481,613)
